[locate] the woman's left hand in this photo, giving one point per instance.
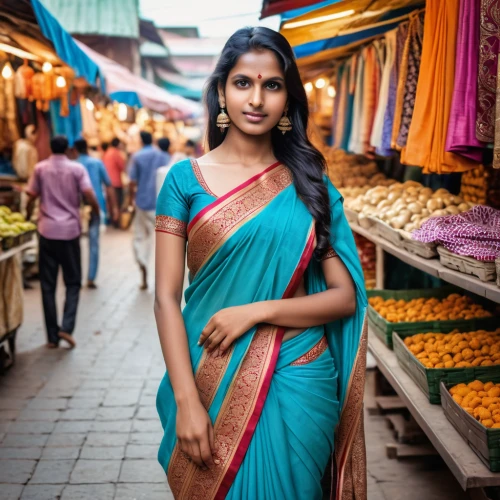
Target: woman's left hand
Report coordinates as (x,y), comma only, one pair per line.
(227,325)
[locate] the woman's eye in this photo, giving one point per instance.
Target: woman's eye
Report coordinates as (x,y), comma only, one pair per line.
(273,86)
(242,83)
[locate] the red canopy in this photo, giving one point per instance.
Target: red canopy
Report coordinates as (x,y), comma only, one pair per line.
(273,7)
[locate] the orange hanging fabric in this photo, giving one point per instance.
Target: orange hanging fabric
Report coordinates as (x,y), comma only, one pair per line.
(429,127)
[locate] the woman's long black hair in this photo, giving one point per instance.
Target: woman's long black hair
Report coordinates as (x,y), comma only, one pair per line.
(293,149)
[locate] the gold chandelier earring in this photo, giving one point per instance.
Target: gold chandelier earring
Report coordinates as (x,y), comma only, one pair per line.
(223,120)
(285,125)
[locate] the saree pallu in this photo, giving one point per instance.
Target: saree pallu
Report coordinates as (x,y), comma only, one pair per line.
(461,137)
(429,126)
(487,85)
(274,407)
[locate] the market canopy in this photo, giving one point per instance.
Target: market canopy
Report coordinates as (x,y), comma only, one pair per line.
(342,23)
(274,7)
(31,27)
(123,86)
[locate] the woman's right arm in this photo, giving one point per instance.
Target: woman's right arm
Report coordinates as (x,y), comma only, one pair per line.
(193,425)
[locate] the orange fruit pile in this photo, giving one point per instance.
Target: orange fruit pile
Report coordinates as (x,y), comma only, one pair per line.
(482,401)
(453,307)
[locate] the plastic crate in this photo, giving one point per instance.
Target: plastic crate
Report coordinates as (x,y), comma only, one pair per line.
(483,441)
(384,329)
(429,379)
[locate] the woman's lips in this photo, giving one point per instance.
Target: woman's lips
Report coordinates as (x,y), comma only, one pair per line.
(255,117)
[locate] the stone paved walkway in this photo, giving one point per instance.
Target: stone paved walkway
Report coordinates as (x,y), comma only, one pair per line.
(82,424)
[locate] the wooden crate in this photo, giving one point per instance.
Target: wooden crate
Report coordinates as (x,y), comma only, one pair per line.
(429,379)
(485,442)
(384,329)
(485,271)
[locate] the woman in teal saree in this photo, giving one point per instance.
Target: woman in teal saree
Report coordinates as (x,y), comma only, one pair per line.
(265,364)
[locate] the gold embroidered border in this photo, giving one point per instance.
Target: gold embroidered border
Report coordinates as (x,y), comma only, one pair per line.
(218,224)
(210,371)
(314,353)
(200,178)
(329,254)
(349,442)
(171,225)
(231,423)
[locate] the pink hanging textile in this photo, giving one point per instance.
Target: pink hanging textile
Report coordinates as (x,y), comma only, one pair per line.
(475,233)
(461,137)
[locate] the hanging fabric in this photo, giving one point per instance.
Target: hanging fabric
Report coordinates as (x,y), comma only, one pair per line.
(355,141)
(370,95)
(414,41)
(462,127)
(401,34)
(429,125)
(383,100)
(489,47)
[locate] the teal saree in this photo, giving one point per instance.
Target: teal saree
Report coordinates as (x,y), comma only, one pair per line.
(280,410)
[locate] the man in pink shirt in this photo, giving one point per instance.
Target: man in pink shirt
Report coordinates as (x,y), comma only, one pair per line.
(60,183)
(115,165)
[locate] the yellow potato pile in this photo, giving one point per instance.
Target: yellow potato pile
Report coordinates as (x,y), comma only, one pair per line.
(456,350)
(454,306)
(482,401)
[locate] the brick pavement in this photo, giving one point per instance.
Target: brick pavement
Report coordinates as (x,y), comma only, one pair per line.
(82,424)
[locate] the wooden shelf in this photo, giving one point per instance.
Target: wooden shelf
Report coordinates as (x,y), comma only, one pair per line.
(465,465)
(433,267)
(13,251)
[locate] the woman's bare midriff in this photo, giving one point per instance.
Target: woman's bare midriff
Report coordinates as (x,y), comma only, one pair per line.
(290,333)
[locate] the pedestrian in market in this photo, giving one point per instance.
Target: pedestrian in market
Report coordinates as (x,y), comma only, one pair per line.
(115,165)
(100,183)
(266,362)
(142,173)
(60,184)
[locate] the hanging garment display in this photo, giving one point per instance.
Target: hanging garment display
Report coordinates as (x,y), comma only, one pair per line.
(414,42)
(401,34)
(355,140)
(461,137)
(383,100)
(429,127)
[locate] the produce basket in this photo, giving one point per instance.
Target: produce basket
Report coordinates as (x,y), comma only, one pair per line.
(26,237)
(365,222)
(384,329)
(428,379)
(485,442)
(351,215)
(485,271)
(425,250)
(9,242)
(387,232)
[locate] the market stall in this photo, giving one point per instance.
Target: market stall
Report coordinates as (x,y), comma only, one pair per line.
(403,94)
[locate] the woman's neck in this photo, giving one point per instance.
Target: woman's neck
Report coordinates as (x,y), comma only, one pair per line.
(247,150)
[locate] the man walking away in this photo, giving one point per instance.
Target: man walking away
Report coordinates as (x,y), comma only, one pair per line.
(60,183)
(99,179)
(115,165)
(143,167)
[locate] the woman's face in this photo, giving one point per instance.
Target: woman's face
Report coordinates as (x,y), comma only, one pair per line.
(255,94)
